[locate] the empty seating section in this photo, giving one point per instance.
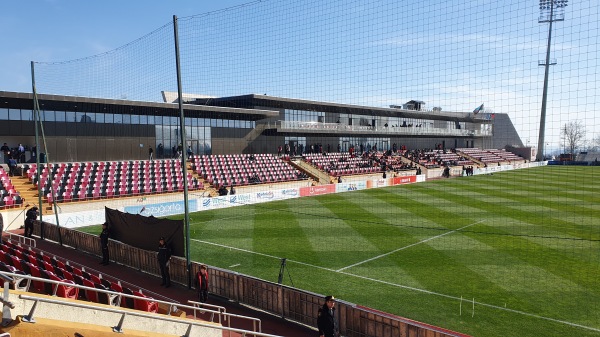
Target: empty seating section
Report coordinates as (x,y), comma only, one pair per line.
(244,169)
(490,156)
(95,180)
(9,197)
(338,164)
(27,261)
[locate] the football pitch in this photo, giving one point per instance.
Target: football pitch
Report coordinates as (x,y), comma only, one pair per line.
(510,254)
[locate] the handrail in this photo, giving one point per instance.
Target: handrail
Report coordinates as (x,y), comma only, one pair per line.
(118,328)
(172,306)
(199,306)
(22,239)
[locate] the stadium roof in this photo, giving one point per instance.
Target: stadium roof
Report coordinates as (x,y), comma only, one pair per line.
(87,104)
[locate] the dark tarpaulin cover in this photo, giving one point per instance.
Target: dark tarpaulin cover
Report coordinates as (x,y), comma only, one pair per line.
(144,232)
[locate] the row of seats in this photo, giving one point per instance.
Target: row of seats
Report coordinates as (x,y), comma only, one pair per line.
(9,197)
(339,164)
(81,181)
(244,169)
(16,259)
(490,156)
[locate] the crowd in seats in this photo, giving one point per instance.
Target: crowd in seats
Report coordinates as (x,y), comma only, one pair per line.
(96,180)
(437,158)
(244,169)
(9,197)
(490,156)
(27,261)
(339,164)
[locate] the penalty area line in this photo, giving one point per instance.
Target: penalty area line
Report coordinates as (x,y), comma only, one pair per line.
(406,247)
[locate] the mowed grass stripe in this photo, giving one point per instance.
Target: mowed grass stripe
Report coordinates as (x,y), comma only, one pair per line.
(429,266)
(548,179)
(552,260)
(553,222)
(513,187)
(575,230)
(366,223)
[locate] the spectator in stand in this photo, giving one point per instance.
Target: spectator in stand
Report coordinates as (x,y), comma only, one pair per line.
(160,151)
(222,190)
(12,166)
(190,153)
(279,148)
(202,283)
(231,190)
(150,153)
(326,321)
(164,258)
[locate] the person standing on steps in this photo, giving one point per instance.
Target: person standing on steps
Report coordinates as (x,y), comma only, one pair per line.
(202,283)
(104,244)
(164,257)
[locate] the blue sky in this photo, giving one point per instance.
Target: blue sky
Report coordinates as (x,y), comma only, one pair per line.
(60,30)
(455,54)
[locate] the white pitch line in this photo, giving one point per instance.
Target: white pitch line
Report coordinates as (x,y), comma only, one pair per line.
(261,254)
(406,247)
(409,287)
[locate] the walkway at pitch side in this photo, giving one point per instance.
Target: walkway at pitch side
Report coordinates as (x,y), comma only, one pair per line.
(270,324)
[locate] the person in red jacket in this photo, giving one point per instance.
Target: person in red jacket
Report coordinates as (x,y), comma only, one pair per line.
(202,283)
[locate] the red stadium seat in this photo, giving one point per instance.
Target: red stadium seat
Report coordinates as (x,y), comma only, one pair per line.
(144,305)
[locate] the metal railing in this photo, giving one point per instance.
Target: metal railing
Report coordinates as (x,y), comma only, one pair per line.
(22,239)
(115,298)
(390,130)
(119,327)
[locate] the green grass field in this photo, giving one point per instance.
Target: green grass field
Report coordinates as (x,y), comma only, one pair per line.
(524,245)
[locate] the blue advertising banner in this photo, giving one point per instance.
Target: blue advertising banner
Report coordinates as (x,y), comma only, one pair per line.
(162,209)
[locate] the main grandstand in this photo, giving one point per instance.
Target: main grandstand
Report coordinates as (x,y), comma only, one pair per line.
(244,140)
(88,129)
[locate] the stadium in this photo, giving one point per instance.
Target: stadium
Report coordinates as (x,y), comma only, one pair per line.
(331,157)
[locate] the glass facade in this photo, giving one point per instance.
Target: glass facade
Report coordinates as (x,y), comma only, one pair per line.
(198,130)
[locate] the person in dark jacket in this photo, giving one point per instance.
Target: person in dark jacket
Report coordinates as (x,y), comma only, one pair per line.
(30,217)
(104,243)
(326,321)
(202,283)
(164,256)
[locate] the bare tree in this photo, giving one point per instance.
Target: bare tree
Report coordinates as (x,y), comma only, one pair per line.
(573,136)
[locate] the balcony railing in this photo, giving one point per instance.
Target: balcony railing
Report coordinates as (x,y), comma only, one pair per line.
(316,127)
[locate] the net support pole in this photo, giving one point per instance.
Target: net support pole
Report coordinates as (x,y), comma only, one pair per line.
(183,157)
(36,109)
(542,132)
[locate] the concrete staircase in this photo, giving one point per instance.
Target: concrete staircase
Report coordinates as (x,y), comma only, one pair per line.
(313,172)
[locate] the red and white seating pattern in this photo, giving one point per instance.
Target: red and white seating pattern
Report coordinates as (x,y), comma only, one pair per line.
(490,156)
(244,169)
(9,197)
(339,164)
(95,180)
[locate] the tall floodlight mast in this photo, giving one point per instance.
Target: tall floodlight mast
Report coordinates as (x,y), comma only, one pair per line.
(550,11)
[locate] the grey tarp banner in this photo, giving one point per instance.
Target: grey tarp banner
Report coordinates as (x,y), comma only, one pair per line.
(144,232)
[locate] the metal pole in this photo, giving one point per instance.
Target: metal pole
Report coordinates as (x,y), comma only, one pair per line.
(36,110)
(183,154)
(542,133)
